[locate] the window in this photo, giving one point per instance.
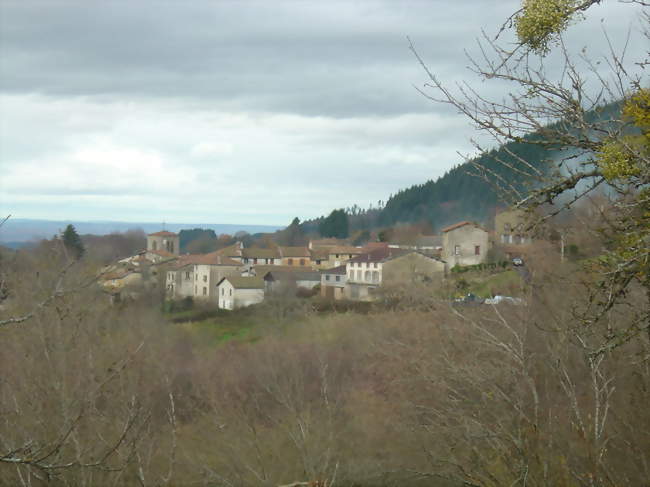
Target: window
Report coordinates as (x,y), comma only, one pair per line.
(290,261)
(375,265)
(456,249)
(205,278)
(375,276)
(223,291)
(338,278)
(327,277)
(337,256)
(477,250)
(205,291)
(506,227)
(255,260)
(302,261)
(187,274)
(231,292)
(359,275)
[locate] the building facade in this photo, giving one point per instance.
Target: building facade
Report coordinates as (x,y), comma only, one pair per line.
(165,241)
(465,243)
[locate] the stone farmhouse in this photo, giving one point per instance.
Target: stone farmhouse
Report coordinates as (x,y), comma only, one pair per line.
(464,243)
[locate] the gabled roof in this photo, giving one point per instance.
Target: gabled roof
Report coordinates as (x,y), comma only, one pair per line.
(461,224)
(294,251)
(163,233)
(283,275)
(375,245)
(326,242)
(345,249)
(239,282)
(334,270)
(259,253)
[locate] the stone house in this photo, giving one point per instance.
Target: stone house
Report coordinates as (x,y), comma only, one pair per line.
(341,254)
(295,256)
(464,243)
(198,275)
(319,257)
(238,292)
(333,282)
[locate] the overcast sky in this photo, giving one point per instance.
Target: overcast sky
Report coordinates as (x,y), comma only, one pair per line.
(242,112)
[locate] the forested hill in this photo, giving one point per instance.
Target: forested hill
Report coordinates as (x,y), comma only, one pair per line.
(460,194)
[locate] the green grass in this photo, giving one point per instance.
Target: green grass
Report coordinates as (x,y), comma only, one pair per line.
(506,283)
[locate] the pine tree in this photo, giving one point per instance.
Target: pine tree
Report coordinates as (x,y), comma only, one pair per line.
(72,242)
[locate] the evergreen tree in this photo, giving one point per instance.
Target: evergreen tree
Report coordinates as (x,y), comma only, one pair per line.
(72,242)
(335,225)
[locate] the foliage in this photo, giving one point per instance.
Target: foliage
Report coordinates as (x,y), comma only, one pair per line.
(588,138)
(541,21)
(72,242)
(335,225)
(292,236)
(207,237)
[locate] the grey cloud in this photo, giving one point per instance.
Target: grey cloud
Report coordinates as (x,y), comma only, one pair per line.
(345,59)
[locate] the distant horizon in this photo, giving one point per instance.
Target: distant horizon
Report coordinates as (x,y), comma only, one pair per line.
(17,230)
(151,222)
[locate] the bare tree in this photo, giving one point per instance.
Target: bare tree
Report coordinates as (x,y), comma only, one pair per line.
(593,125)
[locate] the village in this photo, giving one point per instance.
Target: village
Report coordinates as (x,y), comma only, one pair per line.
(237,276)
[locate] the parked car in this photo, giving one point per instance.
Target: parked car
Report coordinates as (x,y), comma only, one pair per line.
(517,261)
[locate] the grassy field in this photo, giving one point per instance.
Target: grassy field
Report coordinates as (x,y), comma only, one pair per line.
(505,283)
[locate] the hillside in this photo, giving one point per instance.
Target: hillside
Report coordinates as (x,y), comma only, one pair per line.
(461,194)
